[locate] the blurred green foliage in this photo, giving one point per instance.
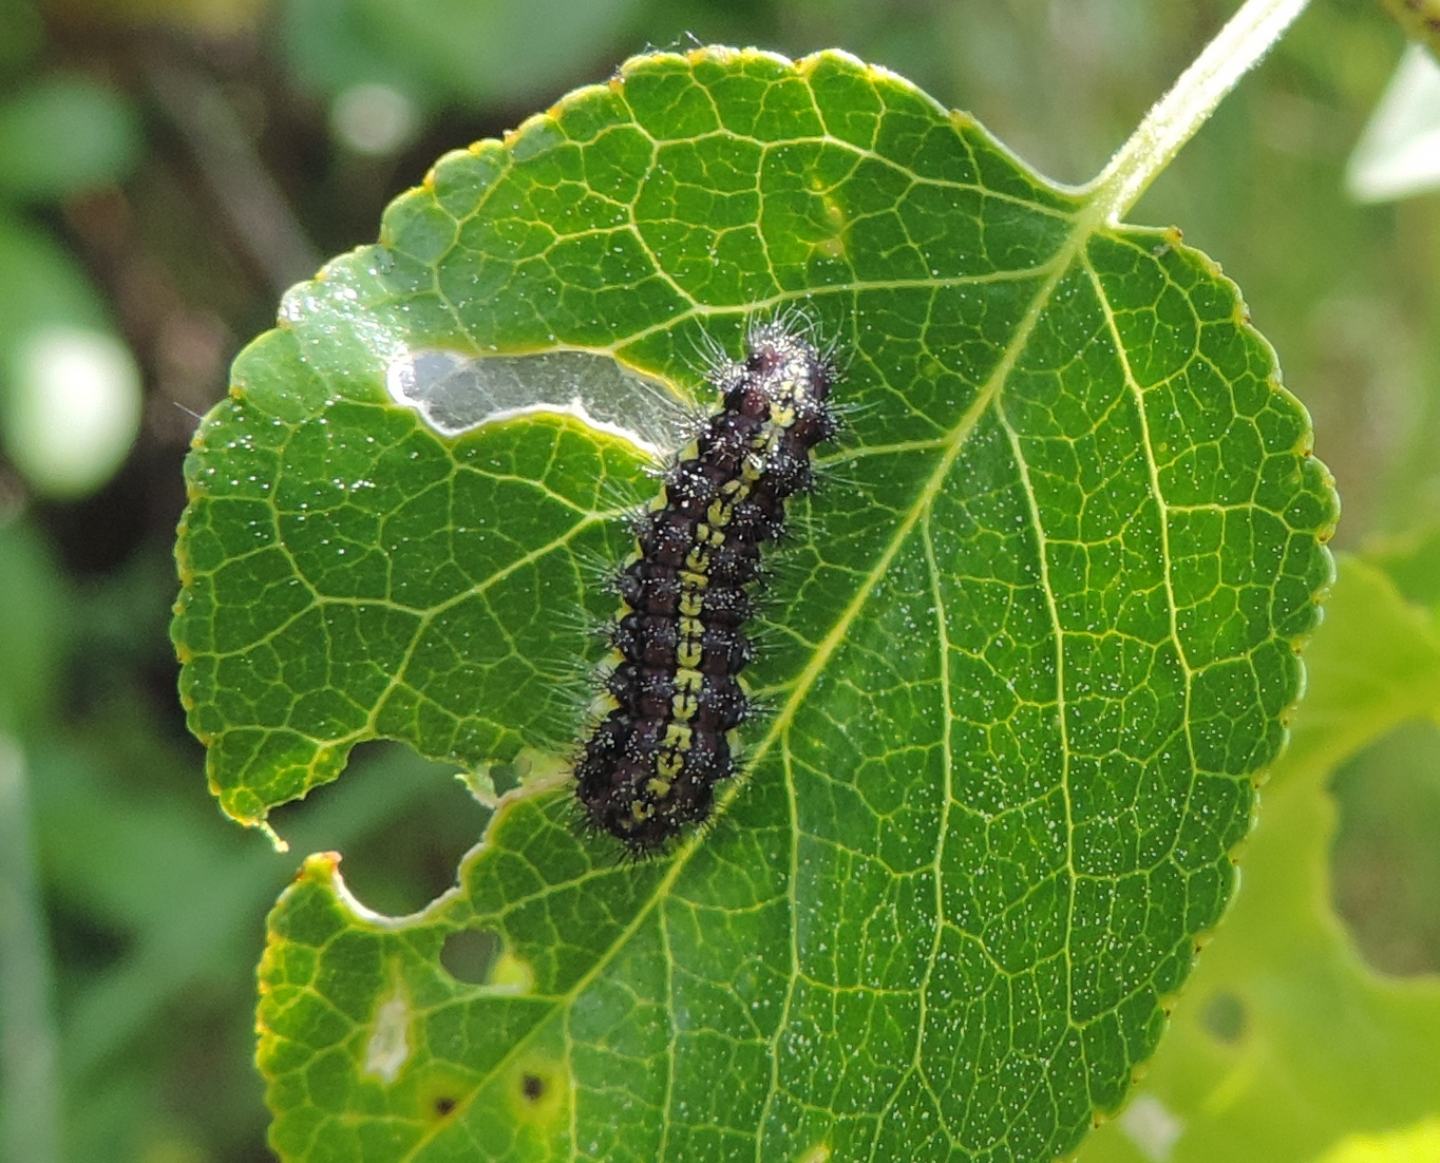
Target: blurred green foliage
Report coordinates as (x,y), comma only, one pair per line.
(165,165)
(65,133)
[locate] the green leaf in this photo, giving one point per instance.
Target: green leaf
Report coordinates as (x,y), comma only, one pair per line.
(1032,643)
(1286,1039)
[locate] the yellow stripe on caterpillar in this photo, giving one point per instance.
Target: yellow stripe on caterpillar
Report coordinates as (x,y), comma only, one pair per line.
(782,414)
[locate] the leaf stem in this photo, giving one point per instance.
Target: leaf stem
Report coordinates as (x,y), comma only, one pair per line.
(1174,119)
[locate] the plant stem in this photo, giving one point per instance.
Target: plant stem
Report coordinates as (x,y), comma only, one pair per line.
(1174,119)
(249,198)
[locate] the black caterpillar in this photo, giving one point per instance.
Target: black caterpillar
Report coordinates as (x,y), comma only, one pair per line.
(648,768)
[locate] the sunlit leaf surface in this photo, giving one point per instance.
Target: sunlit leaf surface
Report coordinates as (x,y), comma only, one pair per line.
(1030,645)
(1286,1038)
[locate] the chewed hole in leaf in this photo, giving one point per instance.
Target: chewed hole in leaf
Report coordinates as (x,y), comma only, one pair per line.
(403,823)
(455,393)
(470,955)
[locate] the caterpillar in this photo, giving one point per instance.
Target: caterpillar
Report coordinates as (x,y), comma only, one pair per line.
(648,766)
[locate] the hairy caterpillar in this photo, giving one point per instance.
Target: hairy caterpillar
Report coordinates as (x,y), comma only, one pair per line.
(648,768)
